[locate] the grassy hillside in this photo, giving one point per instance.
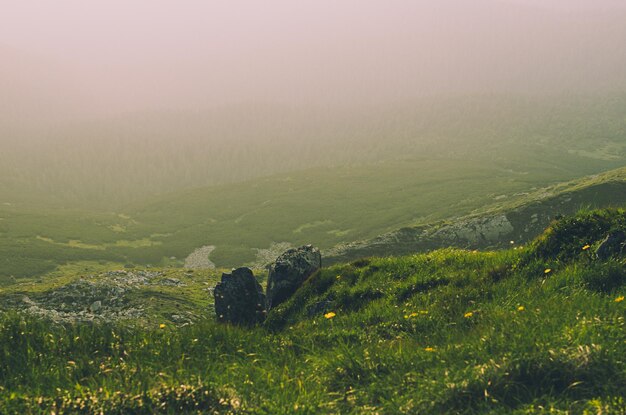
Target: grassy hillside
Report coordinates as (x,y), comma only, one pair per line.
(325,207)
(244,221)
(512,219)
(533,330)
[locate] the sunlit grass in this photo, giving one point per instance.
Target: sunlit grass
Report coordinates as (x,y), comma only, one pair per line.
(450,331)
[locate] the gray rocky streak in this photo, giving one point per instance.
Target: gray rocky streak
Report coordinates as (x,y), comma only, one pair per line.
(491,229)
(483,230)
(199,259)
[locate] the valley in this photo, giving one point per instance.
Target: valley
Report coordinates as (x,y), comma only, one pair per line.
(313,207)
(414,165)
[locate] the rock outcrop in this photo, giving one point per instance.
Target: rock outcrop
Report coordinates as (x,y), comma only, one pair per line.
(520,221)
(106,297)
(289,271)
(239,298)
(613,244)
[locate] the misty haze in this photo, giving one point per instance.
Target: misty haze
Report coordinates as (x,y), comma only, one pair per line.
(348,206)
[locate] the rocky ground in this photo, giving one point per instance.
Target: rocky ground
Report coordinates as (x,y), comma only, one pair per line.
(179,297)
(509,226)
(264,257)
(199,259)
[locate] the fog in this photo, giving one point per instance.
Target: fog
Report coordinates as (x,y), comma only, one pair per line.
(74,58)
(107,101)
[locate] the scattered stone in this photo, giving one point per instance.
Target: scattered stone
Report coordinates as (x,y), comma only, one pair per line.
(129,279)
(180,320)
(289,271)
(612,245)
(26,300)
(239,298)
(62,317)
(104,297)
(173,282)
(96,306)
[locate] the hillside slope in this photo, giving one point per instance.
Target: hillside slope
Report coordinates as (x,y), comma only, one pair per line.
(249,223)
(500,225)
(533,330)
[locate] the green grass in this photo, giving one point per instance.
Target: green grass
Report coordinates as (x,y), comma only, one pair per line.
(323,207)
(449,331)
(320,206)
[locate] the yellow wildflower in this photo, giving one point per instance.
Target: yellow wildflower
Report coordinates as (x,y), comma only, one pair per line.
(161,326)
(619,299)
(547,271)
(429,349)
(469,314)
(586,247)
(330,315)
(521,308)
(423,311)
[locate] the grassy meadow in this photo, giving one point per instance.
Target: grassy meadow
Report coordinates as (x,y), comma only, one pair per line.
(324,207)
(539,329)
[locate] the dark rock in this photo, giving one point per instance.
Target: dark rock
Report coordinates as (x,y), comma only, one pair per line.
(289,271)
(239,298)
(612,245)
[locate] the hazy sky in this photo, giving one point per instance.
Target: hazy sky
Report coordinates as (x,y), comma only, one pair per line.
(123,55)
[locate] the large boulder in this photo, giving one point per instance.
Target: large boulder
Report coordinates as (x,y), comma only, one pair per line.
(289,271)
(239,298)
